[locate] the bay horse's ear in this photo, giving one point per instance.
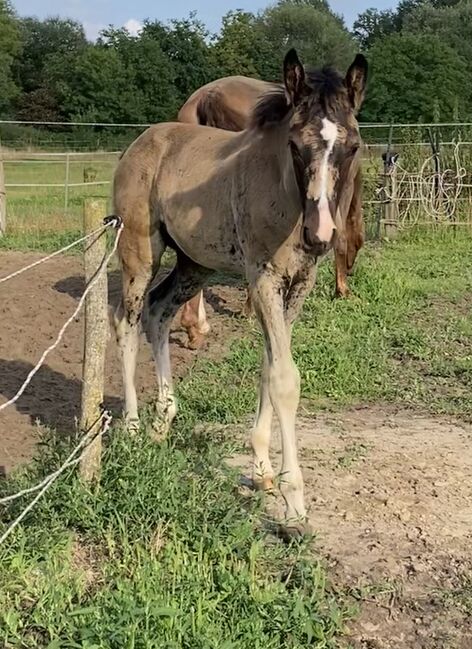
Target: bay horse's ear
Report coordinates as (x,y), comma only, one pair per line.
(294,77)
(356,80)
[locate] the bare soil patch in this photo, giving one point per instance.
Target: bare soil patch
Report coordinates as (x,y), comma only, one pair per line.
(390,500)
(33,307)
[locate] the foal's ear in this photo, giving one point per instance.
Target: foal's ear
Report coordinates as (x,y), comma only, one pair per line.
(356,79)
(294,77)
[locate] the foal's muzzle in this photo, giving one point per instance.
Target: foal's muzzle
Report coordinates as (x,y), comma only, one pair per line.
(318,228)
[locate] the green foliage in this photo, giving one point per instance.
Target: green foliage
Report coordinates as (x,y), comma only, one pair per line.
(373,25)
(46,44)
(10,46)
(241,48)
(421,56)
(411,74)
(451,23)
(318,35)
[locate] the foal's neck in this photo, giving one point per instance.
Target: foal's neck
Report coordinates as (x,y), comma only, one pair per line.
(276,144)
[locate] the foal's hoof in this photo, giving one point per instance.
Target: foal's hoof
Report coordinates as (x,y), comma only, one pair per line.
(159,431)
(264,484)
(295,530)
(132,426)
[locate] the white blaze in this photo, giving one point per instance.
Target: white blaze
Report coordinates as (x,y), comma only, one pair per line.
(329,133)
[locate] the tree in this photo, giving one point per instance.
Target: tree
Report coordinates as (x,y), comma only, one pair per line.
(45,44)
(10,46)
(241,47)
(451,22)
(319,36)
(41,40)
(127,82)
(185,46)
(373,25)
(410,75)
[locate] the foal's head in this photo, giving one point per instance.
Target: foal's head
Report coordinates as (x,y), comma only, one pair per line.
(323,138)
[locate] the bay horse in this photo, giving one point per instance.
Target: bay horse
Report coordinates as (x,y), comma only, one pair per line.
(227,103)
(260,203)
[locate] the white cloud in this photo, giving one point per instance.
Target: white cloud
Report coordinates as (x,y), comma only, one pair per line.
(133,26)
(92,30)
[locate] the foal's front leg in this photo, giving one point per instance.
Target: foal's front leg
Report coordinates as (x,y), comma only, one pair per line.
(283,380)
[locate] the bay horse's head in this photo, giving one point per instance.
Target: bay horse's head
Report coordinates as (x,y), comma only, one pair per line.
(323,138)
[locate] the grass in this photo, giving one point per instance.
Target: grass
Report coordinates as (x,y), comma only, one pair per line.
(36,216)
(404,336)
(167,552)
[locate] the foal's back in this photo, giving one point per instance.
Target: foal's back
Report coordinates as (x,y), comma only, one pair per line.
(177,177)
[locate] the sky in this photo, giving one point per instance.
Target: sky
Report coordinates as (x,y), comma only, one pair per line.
(98,14)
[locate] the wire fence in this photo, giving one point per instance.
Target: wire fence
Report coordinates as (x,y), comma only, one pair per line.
(429,182)
(92,433)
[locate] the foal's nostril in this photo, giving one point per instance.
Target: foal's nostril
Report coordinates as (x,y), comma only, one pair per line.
(314,245)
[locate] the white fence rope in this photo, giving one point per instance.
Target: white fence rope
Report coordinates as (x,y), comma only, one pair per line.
(53,346)
(55,254)
(89,437)
(437,194)
(88,184)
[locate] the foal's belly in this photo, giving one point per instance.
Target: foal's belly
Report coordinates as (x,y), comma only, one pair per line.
(208,238)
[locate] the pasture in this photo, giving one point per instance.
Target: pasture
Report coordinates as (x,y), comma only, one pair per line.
(173,550)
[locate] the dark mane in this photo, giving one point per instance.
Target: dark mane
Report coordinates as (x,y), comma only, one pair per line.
(326,85)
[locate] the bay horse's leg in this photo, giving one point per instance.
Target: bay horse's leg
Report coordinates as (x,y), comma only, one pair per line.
(194,321)
(284,391)
(340,264)
(179,286)
(355,231)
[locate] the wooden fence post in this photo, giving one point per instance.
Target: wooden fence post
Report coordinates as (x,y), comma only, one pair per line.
(3,201)
(95,339)
(391,211)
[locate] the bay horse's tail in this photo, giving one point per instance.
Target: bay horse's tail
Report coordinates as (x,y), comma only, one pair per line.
(213,111)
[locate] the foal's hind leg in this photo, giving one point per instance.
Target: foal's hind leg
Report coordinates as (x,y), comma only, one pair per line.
(127,322)
(182,283)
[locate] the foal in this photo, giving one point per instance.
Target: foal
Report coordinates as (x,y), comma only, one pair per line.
(228,103)
(260,203)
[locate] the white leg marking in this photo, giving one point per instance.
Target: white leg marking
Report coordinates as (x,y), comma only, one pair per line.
(284,392)
(166,404)
(262,472)
(203,326)
(128,344)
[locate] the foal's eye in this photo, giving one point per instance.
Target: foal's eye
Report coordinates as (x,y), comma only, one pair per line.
(354,149)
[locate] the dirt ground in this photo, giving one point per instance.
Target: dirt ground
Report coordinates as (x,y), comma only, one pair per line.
(33,308)
(390,499)
(389,492)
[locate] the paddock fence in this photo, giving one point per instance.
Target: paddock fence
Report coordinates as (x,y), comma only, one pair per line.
(94,420)
(413,174)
